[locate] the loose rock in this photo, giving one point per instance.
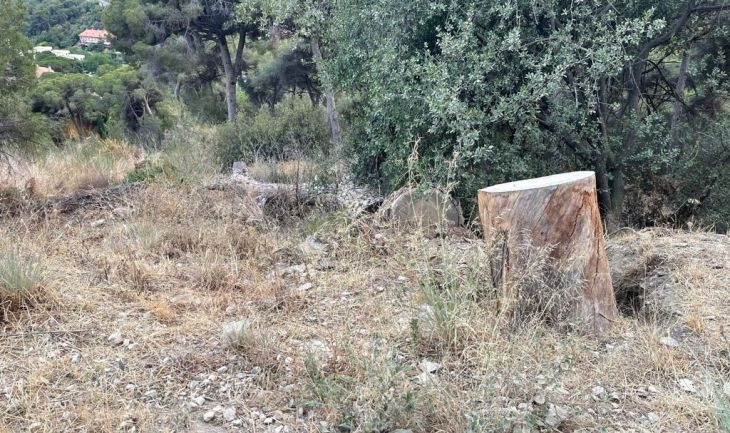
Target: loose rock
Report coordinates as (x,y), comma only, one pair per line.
(235,332)
(669,341)
(687,385)
(430,366)
(229,414)
(208,416)
(555,415)
(116,339)
(311,247)
(598,392)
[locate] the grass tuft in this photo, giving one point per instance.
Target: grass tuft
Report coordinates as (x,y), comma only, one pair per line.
(21,281)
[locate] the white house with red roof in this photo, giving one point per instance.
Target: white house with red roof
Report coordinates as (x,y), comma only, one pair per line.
(94,36)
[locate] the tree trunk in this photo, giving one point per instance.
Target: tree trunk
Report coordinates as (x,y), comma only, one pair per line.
(558,212)
(332,116)
(231,77)
(678,110)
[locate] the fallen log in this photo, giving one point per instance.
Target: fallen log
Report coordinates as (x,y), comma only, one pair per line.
(561,213)
(355,200)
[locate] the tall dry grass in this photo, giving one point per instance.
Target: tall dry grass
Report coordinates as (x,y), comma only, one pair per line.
(86,164)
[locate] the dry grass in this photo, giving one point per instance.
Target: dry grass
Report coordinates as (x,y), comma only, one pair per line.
(21,281)
(337,340)
(296,171)
(87,164)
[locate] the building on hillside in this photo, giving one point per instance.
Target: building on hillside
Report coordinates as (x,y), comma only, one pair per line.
(93,37)
(40,70)
(42,48)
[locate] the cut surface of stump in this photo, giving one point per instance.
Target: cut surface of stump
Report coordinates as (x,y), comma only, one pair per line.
(558,212)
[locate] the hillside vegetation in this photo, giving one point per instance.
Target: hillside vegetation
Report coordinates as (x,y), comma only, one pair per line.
(171,307)
(197,230)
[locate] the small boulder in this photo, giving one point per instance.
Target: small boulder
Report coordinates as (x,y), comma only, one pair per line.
(208,416)
(432,209)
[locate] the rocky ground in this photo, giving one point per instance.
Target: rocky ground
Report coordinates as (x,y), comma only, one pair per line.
(189,310)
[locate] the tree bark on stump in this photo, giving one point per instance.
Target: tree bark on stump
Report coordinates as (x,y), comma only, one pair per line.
(559,212)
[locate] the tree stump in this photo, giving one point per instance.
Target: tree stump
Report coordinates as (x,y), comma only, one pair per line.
(559,212)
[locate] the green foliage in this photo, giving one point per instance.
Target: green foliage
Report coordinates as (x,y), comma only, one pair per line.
(374,394)
(94,61)
(472,92)
(145,28)
(120,95)
(58,22)
(188,147)
(277,69)
(207,105)
(17,126)
(58,64)
(294,129)
(150,171)
(16,59)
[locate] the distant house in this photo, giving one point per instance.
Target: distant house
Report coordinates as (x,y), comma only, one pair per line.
(94,36)
(41,49)
(40,70)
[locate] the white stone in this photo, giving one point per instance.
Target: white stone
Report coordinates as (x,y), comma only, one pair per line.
(555,415)
(229,414)
(669,341)
(199,400)
(304,288)
(427,318)
(116,339)
(208,416)
(319,350)
(598,391)
(430,366)
(426,379)
(687,385)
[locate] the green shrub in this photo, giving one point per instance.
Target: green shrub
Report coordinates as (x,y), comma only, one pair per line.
(149,171)
(294,129)
(20,281)
(207,106)
(59,64)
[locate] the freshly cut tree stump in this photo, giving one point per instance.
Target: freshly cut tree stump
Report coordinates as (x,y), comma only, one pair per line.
(559,212)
